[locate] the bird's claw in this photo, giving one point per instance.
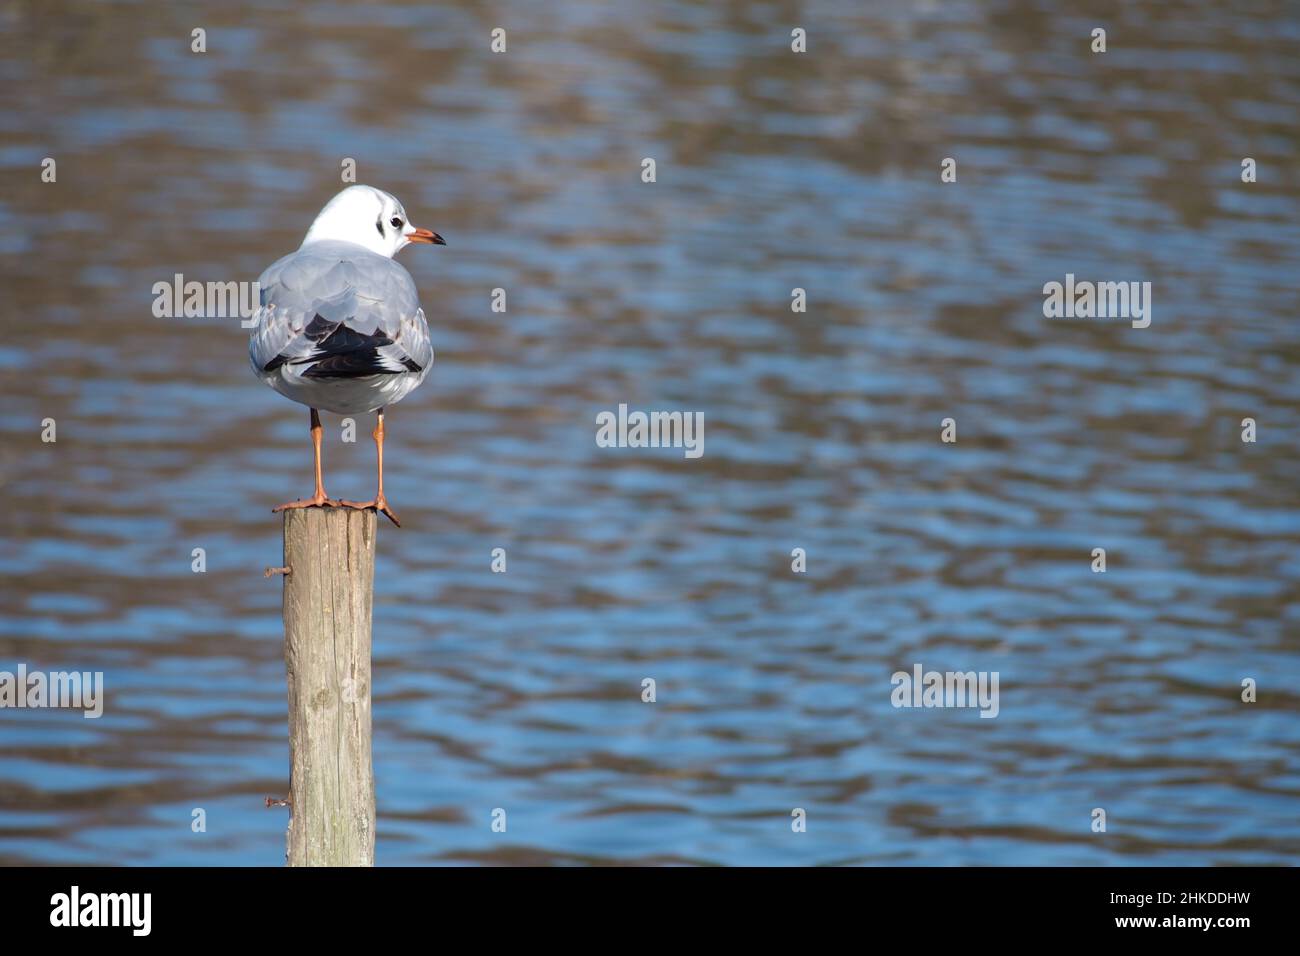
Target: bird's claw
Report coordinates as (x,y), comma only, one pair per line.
(380,504)
(318,501)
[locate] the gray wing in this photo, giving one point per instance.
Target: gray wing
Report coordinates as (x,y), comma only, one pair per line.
(334,311)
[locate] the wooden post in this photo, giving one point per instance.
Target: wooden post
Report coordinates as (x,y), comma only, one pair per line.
(328,594)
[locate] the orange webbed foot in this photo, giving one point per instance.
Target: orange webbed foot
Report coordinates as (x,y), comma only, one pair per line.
(318,501)
(380,504)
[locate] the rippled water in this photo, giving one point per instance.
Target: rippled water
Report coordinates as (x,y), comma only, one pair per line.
(775,170)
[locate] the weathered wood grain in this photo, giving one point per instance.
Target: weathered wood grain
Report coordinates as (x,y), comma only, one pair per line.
(328,595)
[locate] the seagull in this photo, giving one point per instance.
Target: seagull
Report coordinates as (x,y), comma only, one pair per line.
(340,325)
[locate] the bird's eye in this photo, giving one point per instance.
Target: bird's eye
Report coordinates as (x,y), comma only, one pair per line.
(397,223)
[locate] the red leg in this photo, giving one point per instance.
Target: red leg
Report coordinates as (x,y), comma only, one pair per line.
(380,503)
(319,498)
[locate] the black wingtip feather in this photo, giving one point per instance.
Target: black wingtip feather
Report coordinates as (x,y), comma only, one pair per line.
(342,352)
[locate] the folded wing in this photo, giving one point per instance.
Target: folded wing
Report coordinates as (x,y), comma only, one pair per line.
(331,311)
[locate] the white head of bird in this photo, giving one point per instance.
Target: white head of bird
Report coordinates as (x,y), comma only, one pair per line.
(371,218)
